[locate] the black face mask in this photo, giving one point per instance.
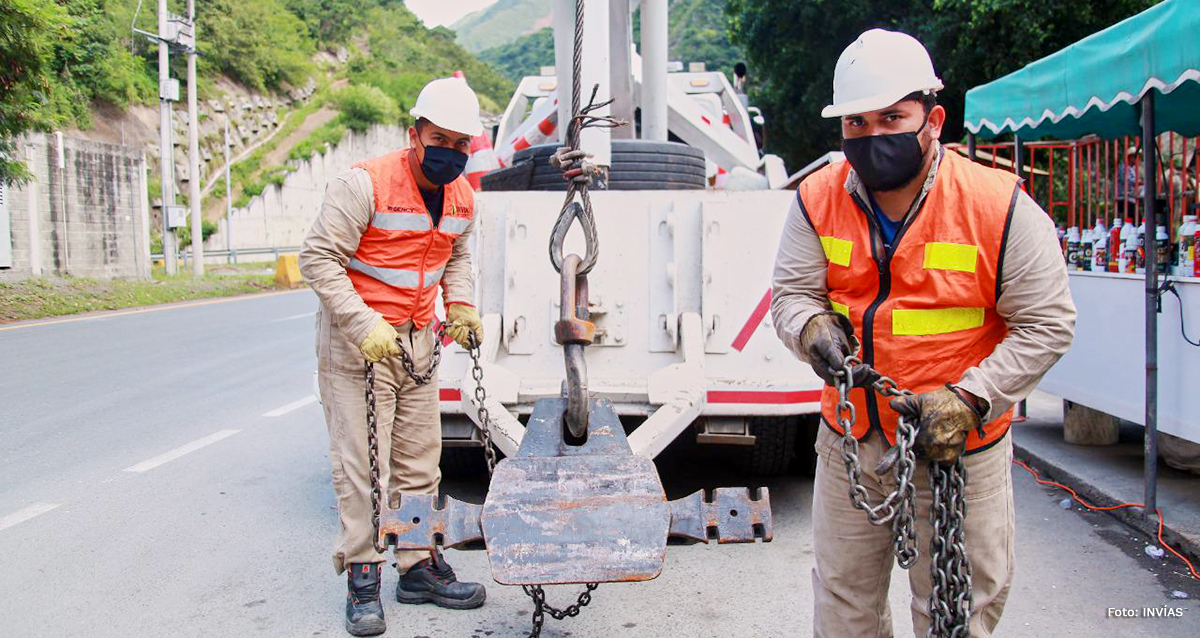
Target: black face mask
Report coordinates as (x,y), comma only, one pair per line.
(885,162)
(442,165)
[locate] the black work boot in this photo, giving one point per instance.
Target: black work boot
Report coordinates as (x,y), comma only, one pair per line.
(433,581)
(364,612)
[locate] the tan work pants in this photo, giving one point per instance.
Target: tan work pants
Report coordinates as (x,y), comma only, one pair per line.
(854,558)
(409,430)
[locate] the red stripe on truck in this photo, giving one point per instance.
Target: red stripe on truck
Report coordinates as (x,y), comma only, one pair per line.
(760,311)
(764,396)
(449,394)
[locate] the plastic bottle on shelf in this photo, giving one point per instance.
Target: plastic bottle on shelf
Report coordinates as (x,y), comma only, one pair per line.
(1128,263)
(1139,241)
(1100,251)
(1114,243)
(1187,246)
(1087,248)
(1073,240)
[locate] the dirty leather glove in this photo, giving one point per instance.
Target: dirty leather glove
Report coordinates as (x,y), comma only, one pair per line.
(461,320)
(943,419)
(826,340)
(380,343)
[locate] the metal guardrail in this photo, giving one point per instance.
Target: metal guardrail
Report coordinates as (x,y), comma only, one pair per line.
(231,256)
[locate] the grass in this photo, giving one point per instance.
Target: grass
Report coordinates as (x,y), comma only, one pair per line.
(41,297)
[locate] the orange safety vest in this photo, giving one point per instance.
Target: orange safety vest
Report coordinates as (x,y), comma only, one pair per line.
(401,257)
(926,312)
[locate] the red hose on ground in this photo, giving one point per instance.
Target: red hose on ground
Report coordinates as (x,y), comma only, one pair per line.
(1084,503)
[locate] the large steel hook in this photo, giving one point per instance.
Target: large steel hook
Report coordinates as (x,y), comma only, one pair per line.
(574,332)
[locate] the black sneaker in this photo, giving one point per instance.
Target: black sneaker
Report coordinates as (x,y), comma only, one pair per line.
(433,581)
(364,612)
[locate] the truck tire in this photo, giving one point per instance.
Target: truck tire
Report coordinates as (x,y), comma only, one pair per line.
(807,427)
(636,165)
(774,446)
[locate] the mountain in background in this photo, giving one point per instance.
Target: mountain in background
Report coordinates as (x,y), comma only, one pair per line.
(697,34)
(501,23)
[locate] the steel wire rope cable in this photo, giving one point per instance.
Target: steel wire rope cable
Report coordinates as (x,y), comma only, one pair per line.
(1097,508)
(579,173)
(950,601)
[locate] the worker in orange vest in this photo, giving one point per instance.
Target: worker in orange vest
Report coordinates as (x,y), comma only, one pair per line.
(952,278)
(390,232)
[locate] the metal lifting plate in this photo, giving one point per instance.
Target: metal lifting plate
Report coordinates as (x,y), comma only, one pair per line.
(558,513)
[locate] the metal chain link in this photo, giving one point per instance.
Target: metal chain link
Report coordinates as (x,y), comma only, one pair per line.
(373,458)
(541,607)
(950,602)
(372,426)
(485,418)
(410,368)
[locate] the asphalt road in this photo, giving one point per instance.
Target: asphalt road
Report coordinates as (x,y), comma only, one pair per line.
(166,473)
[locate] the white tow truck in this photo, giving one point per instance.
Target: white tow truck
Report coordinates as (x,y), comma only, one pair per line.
(681,293)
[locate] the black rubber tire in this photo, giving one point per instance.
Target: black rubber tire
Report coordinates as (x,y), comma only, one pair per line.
(642,148)
(463,462)
(630,186)
(807,427)
(773,449)
(626,172)
(625,178)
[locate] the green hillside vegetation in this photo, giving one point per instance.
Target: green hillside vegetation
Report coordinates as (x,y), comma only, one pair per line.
(523,56)
(697,34)
(58,58)
(501,23)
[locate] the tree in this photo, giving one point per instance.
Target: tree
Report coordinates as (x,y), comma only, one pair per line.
(793,46)
(28,31)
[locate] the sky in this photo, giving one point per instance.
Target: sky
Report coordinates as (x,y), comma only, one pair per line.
(444,12)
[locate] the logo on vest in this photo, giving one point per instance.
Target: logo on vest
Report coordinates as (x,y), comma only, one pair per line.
(401,209)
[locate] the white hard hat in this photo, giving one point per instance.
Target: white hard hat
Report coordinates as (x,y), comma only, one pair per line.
(878,70)
(450,104)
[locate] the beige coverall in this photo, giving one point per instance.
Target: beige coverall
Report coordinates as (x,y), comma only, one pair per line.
(407,414)
(854,558)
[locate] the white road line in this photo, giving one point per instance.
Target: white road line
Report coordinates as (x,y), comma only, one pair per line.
(294,405)
(299,316)
(20,516)
(167,457)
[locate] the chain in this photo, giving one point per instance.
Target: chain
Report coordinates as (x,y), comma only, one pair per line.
(950,599)
(372,426)
(898,506)
(373,457)
(541,607)
(950,602)
(410,368)
(485,418)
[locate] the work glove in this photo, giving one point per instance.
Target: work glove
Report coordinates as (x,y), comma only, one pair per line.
(380,343)
(461,320)
(943,419)
(827,339)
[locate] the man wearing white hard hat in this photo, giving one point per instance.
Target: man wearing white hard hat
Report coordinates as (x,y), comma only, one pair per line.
(951,279)
(390,231)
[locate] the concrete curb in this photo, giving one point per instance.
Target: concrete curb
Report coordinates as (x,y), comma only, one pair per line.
(1130,516)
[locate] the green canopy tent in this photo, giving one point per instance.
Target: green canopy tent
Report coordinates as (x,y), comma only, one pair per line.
(1139,76)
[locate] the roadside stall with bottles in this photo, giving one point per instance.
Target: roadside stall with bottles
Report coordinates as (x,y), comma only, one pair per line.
(1116,117)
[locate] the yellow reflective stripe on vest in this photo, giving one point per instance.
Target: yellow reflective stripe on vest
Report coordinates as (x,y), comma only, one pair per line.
(935,321)
(453,225)
(840,308)
(946,256)
(393,277)
(401,221)
(837,251)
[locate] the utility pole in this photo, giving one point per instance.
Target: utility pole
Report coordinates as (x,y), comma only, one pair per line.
(166,156)
(194,153)
(228,200)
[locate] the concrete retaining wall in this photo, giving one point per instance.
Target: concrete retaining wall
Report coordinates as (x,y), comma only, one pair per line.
(85,213)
